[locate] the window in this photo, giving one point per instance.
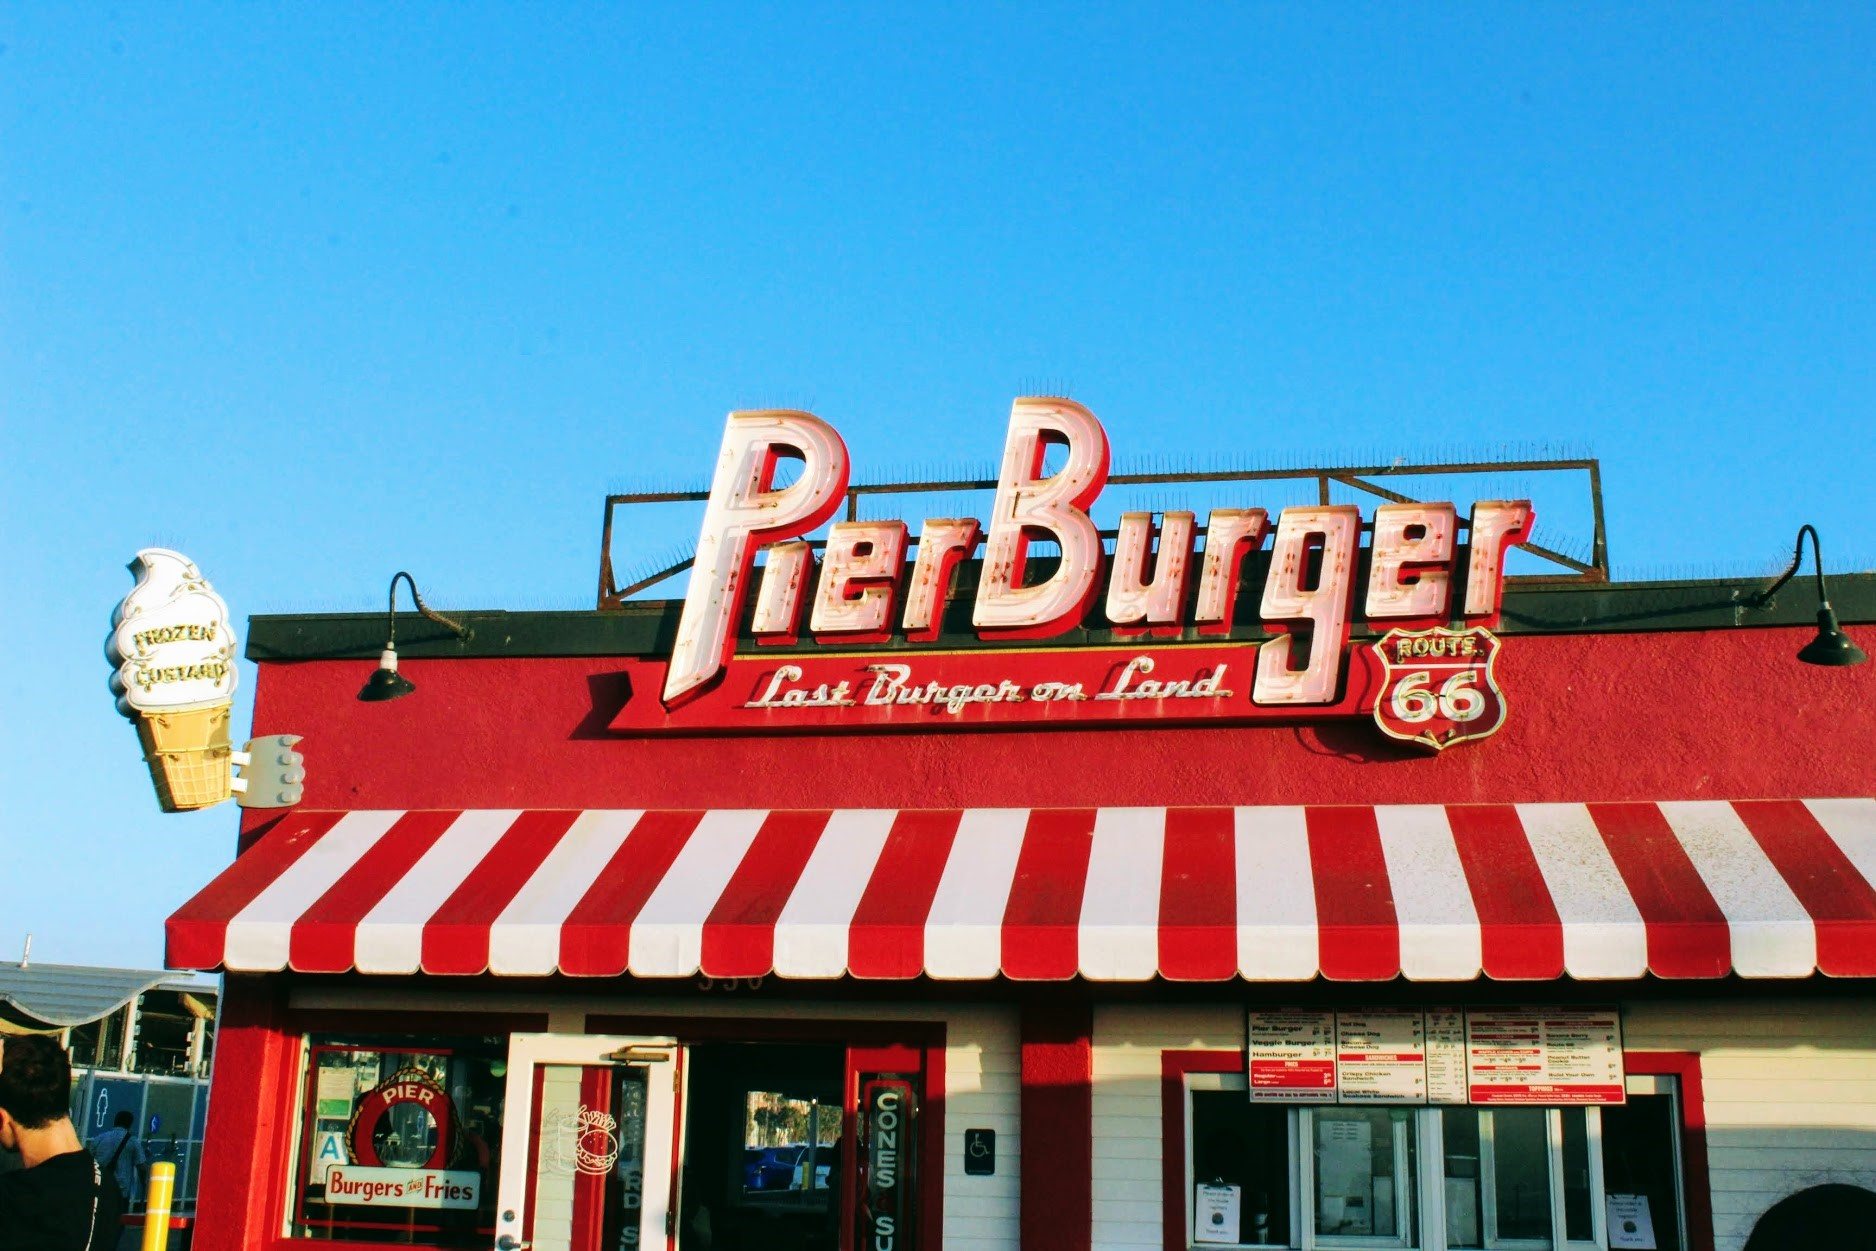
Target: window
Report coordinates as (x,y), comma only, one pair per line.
(1362,1169)
(400,1142)
(1440,1178)
(1641,1154)
(790,1145)
(1237,1145)
(1510,1172)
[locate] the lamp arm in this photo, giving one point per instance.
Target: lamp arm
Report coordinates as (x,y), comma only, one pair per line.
(428,613)
(1797,558)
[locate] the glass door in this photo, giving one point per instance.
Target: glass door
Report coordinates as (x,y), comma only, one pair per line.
(592,1167)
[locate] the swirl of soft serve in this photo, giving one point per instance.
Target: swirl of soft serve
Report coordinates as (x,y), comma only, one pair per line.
(170,639)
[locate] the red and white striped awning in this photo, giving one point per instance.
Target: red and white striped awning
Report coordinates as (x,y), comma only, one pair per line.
(1776,888)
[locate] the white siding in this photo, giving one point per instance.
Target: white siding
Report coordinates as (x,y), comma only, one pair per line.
(1127,1146)
(982,1075)
(1790,1090)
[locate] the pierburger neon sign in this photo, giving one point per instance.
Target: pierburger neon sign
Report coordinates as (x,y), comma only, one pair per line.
(1158,584)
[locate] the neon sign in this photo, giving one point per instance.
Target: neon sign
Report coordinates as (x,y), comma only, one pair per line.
(1308,601)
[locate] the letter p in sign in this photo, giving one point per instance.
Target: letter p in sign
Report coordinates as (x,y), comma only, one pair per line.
(980,1152)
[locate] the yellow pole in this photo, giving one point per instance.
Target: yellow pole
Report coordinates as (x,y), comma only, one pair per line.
(156,1206)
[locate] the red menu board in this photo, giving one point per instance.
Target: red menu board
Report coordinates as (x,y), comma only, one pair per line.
(1292,1057)
(1545,1056)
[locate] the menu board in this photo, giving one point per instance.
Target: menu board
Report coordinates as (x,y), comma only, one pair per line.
(1547,1056)
(1380,1057)
(1446,1056)
(1292,1057)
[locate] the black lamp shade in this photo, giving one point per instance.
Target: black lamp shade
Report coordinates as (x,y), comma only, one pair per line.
(386,682)
(1831,646)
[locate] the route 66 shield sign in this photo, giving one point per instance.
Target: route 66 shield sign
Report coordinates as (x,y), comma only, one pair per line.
(1437,687)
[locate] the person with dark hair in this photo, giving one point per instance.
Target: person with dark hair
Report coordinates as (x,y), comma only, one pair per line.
(121,1152)
(62,1200)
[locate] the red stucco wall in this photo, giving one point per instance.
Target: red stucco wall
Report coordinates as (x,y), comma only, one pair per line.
(1713,714)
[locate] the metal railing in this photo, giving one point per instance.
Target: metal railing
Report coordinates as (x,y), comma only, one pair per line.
(1355,477)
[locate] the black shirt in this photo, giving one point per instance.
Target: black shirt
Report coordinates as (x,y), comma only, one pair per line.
(66,1203)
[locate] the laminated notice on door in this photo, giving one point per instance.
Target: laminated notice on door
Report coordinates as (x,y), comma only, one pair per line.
(1292,1057)
(1216,1213)
(1631,1224)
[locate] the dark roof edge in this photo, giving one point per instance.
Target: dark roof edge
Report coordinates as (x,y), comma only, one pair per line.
(647,628)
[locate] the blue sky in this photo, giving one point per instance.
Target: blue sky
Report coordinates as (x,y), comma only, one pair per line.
(317,293)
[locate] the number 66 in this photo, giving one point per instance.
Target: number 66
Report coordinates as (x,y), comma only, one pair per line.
(1458,700)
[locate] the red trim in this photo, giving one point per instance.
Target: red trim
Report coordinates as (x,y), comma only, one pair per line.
(680,1081)
(1696,1184)
(1057,1178)
(589,1189)
(1173,1067)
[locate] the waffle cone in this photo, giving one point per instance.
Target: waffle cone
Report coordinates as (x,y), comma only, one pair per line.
(188,755)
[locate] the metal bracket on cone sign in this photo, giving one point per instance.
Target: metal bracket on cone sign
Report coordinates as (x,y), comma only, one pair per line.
(272,773)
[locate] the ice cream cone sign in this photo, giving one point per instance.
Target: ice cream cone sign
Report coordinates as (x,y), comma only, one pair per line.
(175,678)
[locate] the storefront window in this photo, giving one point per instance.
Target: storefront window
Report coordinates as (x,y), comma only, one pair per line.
(1500,1173)
(1241,1163)
(1503,1179)
(1640,1151)
(400,1143)
(1364,1170)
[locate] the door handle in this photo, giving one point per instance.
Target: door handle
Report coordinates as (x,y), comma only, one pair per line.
(507,1242)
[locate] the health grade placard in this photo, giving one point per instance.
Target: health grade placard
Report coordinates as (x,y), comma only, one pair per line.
(1380,1057)
(1292,1057)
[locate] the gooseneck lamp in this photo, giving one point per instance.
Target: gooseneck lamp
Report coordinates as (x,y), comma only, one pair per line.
(1831,646)
(387,682)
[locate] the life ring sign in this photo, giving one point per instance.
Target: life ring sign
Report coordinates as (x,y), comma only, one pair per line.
(406,1087)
